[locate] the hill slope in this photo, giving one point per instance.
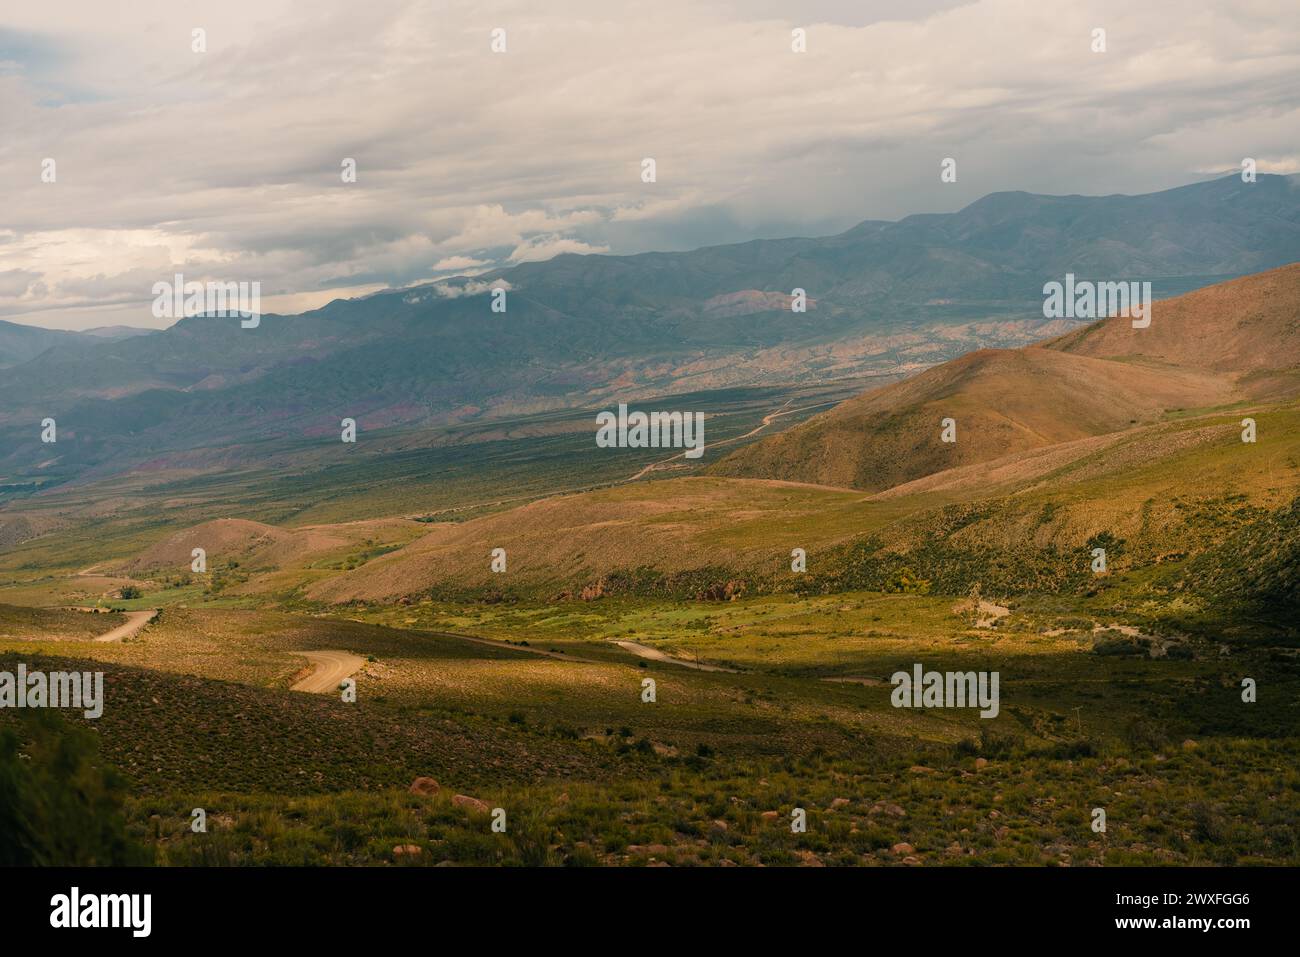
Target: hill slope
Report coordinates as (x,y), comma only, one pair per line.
(1232,341)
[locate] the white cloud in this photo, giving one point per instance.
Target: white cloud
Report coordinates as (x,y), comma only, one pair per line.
(548,247)
(228,162)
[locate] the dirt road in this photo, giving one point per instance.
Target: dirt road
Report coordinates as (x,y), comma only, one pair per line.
(654,654)
(652,467)
(496,643)
(767,420)
(135,620)
(331,668)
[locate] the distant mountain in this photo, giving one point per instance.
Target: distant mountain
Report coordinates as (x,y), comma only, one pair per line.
(19,343)
(117,332)
(582,330)
(1234,341)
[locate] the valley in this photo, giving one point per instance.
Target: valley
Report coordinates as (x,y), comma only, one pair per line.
(1131,688)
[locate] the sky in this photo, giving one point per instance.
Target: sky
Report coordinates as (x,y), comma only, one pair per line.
(226,164)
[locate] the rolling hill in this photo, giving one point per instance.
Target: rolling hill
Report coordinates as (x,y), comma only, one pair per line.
(1063,451)
(1234,341)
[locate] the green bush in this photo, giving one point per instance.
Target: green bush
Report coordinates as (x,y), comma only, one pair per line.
(58,805)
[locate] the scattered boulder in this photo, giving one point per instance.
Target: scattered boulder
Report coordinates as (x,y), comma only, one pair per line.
(593,591)
(473,805)
(407,850)
(425,786)
(839,803)
(770,815)
(884,807)
(903,849)
(981,763)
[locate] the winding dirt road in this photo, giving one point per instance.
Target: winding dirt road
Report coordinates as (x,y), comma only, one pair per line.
(135,621)
(331,668)
(497,643)
(767,420)
(654,654)
(641,651)
(652,467)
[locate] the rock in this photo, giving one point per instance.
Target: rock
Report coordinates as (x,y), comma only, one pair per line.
(838,803)
(424,786)
(884,807)
(911,860)
(407,850)
(981,763)
(1189,745)
(656,850)
(593,591)
(473,805)
(920,769)
(719,825)
(903,848)
(770,815)
(809,859)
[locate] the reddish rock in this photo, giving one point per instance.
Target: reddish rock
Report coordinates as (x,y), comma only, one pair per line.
(424,786)
(473,805)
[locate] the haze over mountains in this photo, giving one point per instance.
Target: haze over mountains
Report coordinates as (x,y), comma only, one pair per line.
(583,330)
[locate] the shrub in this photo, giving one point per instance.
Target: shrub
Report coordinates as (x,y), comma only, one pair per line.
(58,805)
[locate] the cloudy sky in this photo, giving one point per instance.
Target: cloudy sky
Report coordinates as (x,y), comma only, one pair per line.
(226,164)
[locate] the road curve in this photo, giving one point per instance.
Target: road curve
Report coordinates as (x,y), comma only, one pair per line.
(331,667)
(135,620)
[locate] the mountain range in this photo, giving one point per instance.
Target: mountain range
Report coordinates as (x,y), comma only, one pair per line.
(883,298)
